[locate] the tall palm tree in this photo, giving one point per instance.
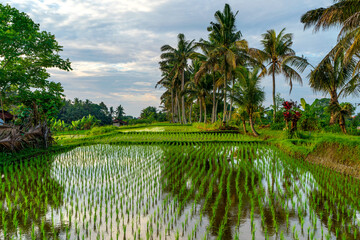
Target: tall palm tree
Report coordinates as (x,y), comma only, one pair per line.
(209,65)
(227,40)
(178,57)
(119,112)
(169,82)
(344,13)
(192,87)
(335,77)
(200,89)
(167,98)
(248,93)
(281,58)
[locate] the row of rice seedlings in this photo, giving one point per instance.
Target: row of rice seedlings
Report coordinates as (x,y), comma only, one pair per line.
(193,172)
(337,212)
(160,137)
(134,192)
(202,157)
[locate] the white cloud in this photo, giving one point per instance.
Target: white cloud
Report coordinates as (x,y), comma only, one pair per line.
(114,45)
(142,83)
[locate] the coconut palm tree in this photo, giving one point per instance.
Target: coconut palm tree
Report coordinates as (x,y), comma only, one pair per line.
(344,13)
(171,83)
(226,40)
(200,89)
(209,65)
(341,112)
(335,77)
(178,57)
(281,59)
(192,87)
(248,93)
(119,112)
(241,113)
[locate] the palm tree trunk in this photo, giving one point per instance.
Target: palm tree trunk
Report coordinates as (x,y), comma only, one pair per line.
(204,111)
(200,107)
(213,114)
(190,112)
(231,100)
(183,97)
(244,126)
(252,124)
(334,100)
(172,106)
(179,110)
(273,92)
(342,124)
(175,110)
(225,84)
(216,107)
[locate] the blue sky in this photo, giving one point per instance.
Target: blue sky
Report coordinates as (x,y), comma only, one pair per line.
(114,45)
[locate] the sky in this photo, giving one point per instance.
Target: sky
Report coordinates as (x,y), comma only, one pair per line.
(114,45)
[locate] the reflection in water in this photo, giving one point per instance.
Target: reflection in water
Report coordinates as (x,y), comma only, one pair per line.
(29,199)
(213,191)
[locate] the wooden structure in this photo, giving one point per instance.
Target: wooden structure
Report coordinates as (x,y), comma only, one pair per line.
(118,123)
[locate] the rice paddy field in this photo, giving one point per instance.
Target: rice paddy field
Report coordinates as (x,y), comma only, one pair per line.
(195,186)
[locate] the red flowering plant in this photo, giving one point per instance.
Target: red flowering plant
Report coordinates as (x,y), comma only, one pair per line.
(291,114)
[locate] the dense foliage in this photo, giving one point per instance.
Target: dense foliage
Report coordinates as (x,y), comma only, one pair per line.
(196,81)
(25,54)
(77,109)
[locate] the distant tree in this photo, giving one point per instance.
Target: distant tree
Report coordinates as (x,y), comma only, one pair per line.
(119,112)
(148,113)
(161,116)
(111,112)
(104,108)
(73,111)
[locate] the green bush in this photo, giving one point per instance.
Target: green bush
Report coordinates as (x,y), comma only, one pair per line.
(277,126)
(308,124)
(332,128)
(102,130)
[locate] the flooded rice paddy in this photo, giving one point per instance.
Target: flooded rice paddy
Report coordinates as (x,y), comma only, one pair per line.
(212,191)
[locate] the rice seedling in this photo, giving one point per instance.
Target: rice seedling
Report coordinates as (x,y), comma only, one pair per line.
(177,190)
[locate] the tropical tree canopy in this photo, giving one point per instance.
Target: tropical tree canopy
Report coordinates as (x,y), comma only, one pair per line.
(280,58)
(177,58)
(25,54)
(248,94)
(343,13)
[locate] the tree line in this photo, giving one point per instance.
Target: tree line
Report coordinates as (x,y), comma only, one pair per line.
(224,72)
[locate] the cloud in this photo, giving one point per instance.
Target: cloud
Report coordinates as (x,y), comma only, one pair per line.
(142,83)
(114,45)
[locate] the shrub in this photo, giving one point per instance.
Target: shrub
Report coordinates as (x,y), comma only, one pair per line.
(277,126)
(309,124)
(103,130)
